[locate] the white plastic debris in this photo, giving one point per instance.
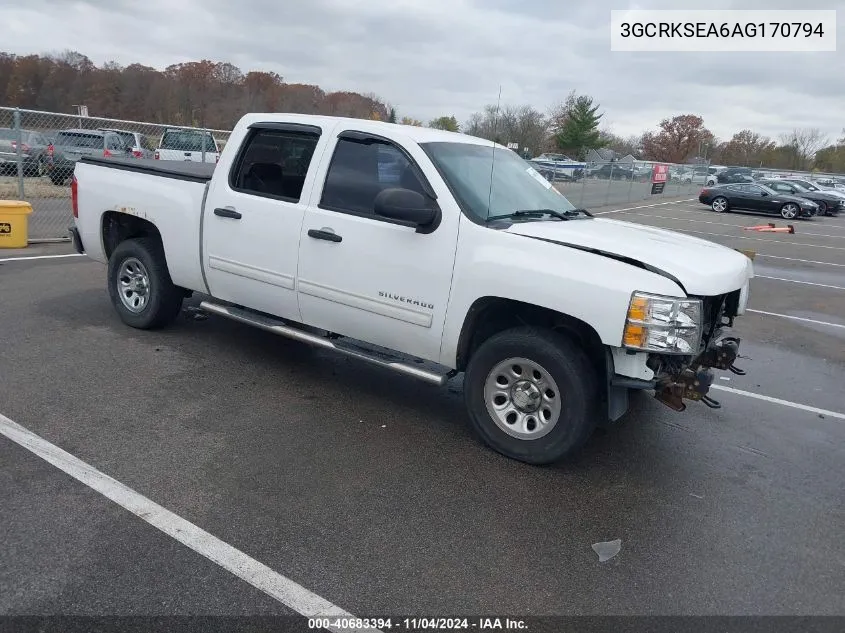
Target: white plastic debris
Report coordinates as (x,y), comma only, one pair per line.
(607,549)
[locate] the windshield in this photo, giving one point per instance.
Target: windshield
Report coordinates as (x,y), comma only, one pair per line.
(488,183)
(187,141)
(76,139)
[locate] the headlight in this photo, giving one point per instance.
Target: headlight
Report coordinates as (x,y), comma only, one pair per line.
(663,324)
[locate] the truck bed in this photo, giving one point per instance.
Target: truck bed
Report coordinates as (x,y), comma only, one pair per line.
(177,169)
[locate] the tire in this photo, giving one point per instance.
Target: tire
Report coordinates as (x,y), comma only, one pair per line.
(566,395)
(140,286)
(823,210)
(789,211)
(720,204)
(57,179)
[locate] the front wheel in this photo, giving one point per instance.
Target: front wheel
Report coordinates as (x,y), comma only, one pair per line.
(719,204)
(531,395)
(140,286)
(789,211)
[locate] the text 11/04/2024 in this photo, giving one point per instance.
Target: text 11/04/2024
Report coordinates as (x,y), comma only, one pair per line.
(723,31)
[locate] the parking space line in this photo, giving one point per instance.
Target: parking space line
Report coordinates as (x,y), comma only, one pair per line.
(645,206)
(795,281)
(243,566)
(794,318)
(23,259)
(755,239)
(785,403)
(804,261)
(668,217)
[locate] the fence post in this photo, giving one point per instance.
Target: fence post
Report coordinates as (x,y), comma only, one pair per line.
(19,151)
(609,183)
(204,132)
(583,185)
(631,185)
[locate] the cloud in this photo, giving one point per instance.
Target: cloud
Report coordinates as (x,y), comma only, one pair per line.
(434,57)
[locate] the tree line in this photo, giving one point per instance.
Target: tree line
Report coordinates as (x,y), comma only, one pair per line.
(216,94)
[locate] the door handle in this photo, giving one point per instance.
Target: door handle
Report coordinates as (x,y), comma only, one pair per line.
(322,234)
(227,213)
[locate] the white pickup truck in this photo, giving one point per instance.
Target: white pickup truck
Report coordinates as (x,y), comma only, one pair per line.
(425,252)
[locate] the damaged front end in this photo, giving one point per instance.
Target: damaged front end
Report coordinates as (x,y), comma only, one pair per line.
(680,378)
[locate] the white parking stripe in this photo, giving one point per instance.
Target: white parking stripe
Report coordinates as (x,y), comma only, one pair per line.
(794,318)
(645,206)
(740,226)
(755,239)
(23,259)
(804,261)
(241,565)
(795,281)
(785,403)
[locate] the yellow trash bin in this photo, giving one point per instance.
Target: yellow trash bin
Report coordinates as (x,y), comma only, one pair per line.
(14,223)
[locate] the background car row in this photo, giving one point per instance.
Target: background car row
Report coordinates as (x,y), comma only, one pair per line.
(56,154)
(788,198)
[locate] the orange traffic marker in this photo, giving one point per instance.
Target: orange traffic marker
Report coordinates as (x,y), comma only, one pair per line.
(770,225)
(786,229)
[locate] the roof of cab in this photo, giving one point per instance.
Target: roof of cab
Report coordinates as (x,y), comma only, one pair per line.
(415,133)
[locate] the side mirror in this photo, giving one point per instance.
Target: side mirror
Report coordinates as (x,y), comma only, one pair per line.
(405,207)
(764,193)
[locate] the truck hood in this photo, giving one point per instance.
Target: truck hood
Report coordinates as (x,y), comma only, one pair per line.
(701,267)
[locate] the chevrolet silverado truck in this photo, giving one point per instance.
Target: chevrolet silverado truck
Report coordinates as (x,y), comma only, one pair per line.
(425,252)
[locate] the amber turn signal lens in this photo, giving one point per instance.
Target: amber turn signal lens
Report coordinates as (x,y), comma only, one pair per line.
(635,335)
(638,309)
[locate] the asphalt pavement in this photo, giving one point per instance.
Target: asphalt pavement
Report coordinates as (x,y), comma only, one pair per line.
(368,489)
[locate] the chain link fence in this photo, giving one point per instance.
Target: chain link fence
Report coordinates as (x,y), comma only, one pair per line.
(604,183)
(38,151)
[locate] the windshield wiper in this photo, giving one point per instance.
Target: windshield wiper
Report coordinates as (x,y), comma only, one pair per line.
(536,213)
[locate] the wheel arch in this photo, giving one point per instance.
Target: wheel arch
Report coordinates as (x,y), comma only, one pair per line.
(490,315)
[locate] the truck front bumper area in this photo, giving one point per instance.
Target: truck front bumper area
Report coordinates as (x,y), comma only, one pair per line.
(693,381)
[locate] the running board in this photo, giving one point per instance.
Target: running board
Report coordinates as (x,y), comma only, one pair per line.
(282,329)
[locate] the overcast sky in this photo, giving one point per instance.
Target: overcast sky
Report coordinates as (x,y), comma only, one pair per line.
(434,57)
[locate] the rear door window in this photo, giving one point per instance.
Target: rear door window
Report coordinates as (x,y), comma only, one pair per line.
(274,164)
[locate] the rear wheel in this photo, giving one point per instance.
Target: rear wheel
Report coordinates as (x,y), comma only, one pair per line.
(719,204)
(531,395)
(822,208)
(140,286)
(789,211)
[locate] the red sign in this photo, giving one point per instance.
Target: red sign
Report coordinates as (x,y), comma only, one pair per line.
(660,173)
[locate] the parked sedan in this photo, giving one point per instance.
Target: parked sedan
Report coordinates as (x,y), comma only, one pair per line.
(811,186)
(829,202)
(33,151)
(754,197)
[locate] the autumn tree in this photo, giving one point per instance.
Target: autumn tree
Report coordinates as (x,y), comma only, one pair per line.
(205,92)
(803,143)
(576,125)
(406,120)
(745,148)
(448,123)
(522,124)
(623,146)
(680,138)
(832,157)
